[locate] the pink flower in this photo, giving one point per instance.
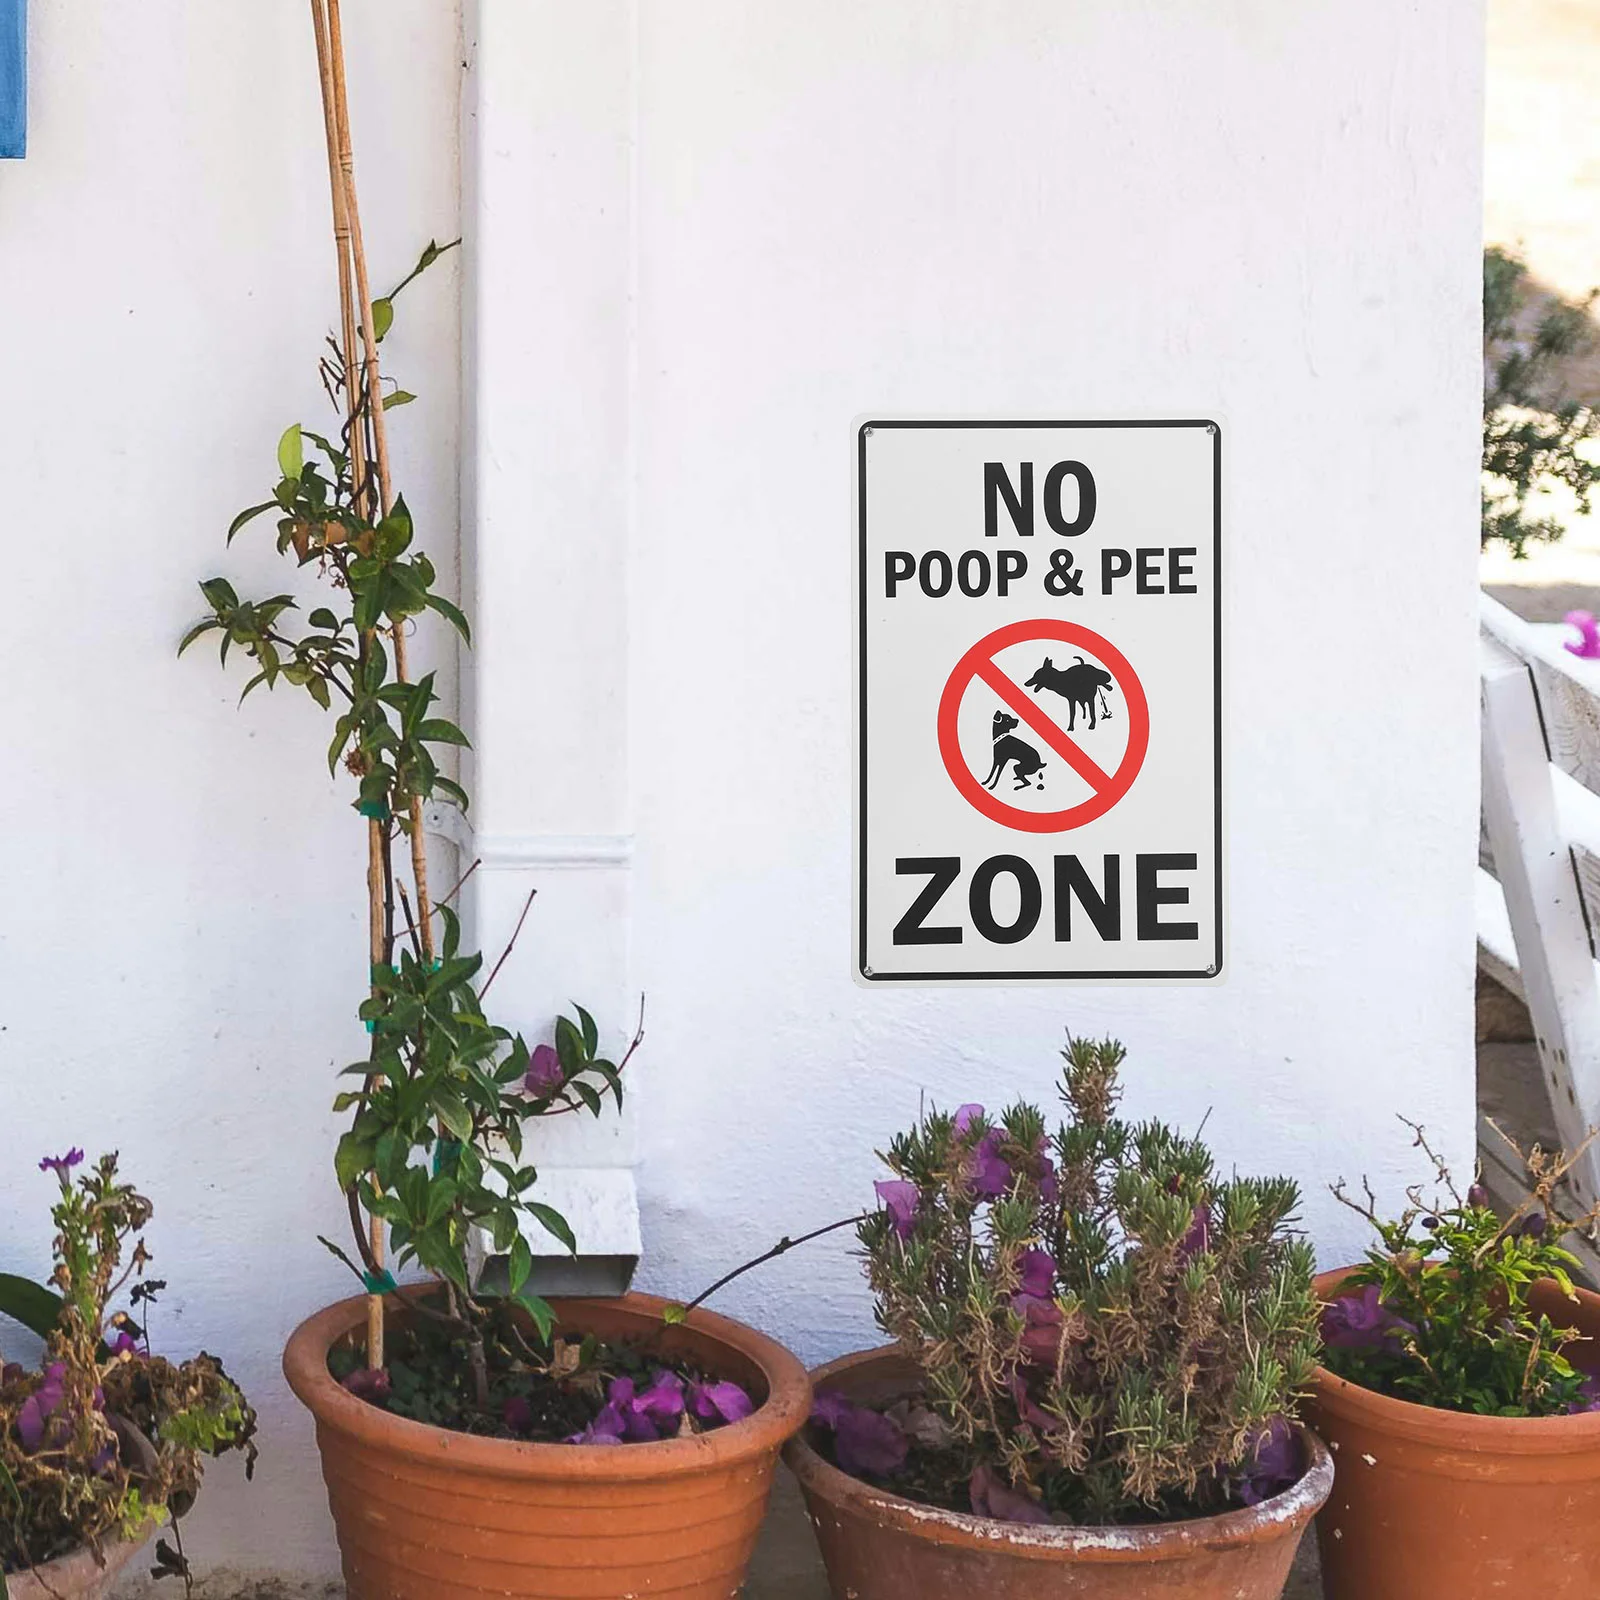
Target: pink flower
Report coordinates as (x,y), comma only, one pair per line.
(901,1199)
(992,1496)
(544,1074)
(966,1117)
(1588,645)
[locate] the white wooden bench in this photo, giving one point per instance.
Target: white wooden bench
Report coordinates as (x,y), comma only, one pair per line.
(1539,871)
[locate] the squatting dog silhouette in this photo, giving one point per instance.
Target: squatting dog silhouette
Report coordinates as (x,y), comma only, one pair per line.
(1007,747)
(1078,685)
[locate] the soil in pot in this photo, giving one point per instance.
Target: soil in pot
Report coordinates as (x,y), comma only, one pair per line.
(1444,1505)
(879,1545)
(428,1513)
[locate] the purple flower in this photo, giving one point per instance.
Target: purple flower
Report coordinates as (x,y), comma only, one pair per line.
(1533,1225)
(1588,1396)
(1041,1338)
(607,1428)
(1035,1416)
(828,1406)
(901,1199)
(544,1074)
(1037,1271)
(517,1414)
(1588,645)
(125,1343)
(1478,1197)
(966,1117)
(1198,1239)
(724,1402)
(1273,1465)
(663,1401)
(61,1165)
(991,1177)
(863,1440)
(637,1428)
(368,1383)
(992,1496)
(1049,1186)
(40,1407)
(1361,1321)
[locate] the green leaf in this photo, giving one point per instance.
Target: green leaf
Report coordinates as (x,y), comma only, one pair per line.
(544,1318)
(399,398)
(291,452)
(674,1315)
(591,1034)
(520,1265)
(352,1158)
(250,513)
(451,615)
(220,595)
(34,1306)
(454,1115)
(195,632)
(554,1223)
(438,731)
(322,617)
(382,316)
(317,688)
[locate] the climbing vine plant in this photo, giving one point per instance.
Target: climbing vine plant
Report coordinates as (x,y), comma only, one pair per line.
(433,1155)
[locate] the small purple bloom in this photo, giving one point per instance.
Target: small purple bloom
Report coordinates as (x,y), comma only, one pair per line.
(1588,645)
(991,1177)
(1049,1185)
(1041,1339)
(1361,1321)
(1274,1464)
(868,1441)
(607,1428)
(1478,1197)
(544,1074)
(1533,1225)
(1588,1396)
(828,1406)
(992,1496)
(40,1407)
(125,1343)
(1198,1239)
(61,1165)
(901,1199)
(1037,1271)
(724,1402)
(663,1401)
(368,1383)
(517,1414)
(966,1117)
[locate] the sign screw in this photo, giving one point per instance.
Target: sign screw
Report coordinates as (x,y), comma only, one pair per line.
(866,972)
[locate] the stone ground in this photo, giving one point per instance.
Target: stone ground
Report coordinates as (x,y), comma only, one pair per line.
(1543,199)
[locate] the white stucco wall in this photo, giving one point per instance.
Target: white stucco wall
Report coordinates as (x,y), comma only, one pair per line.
(769,221)
(182,949)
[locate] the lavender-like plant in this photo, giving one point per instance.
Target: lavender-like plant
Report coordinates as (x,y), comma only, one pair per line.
(1106,1331)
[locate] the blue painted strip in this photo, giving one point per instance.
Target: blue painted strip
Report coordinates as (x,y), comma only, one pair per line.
(13,77)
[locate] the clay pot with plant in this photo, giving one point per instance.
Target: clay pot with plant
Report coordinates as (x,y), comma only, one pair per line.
(1460,1400)
(102,1445)
(1098,1349)
(469,1428)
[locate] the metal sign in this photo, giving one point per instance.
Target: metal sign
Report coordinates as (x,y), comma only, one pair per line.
(1040,702)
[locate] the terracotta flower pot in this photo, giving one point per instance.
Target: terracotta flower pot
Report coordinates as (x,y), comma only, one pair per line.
(424,1513)
(1440,1505)
(78,1576)
(879,1546)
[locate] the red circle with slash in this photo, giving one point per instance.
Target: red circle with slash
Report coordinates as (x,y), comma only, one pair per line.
(978,665)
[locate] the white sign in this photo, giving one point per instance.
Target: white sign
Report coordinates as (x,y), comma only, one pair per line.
(1040,701)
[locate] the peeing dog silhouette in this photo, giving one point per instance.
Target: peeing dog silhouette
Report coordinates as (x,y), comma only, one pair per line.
(1078,685)
(1009,748)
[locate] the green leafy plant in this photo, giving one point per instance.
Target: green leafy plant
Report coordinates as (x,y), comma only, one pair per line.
(105,1438)
(1440,1312)
(1106,1330)
(1532,428)
(439,1104)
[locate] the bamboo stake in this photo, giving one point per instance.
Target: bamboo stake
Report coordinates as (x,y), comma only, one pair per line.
(373,392)
(377,842)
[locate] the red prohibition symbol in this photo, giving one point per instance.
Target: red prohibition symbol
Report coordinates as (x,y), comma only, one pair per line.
(978,664)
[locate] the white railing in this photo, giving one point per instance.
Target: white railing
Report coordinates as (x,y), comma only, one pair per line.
(1539,866)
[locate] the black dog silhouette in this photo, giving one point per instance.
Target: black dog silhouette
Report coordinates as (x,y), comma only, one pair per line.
(1078,685)
(1007,747)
